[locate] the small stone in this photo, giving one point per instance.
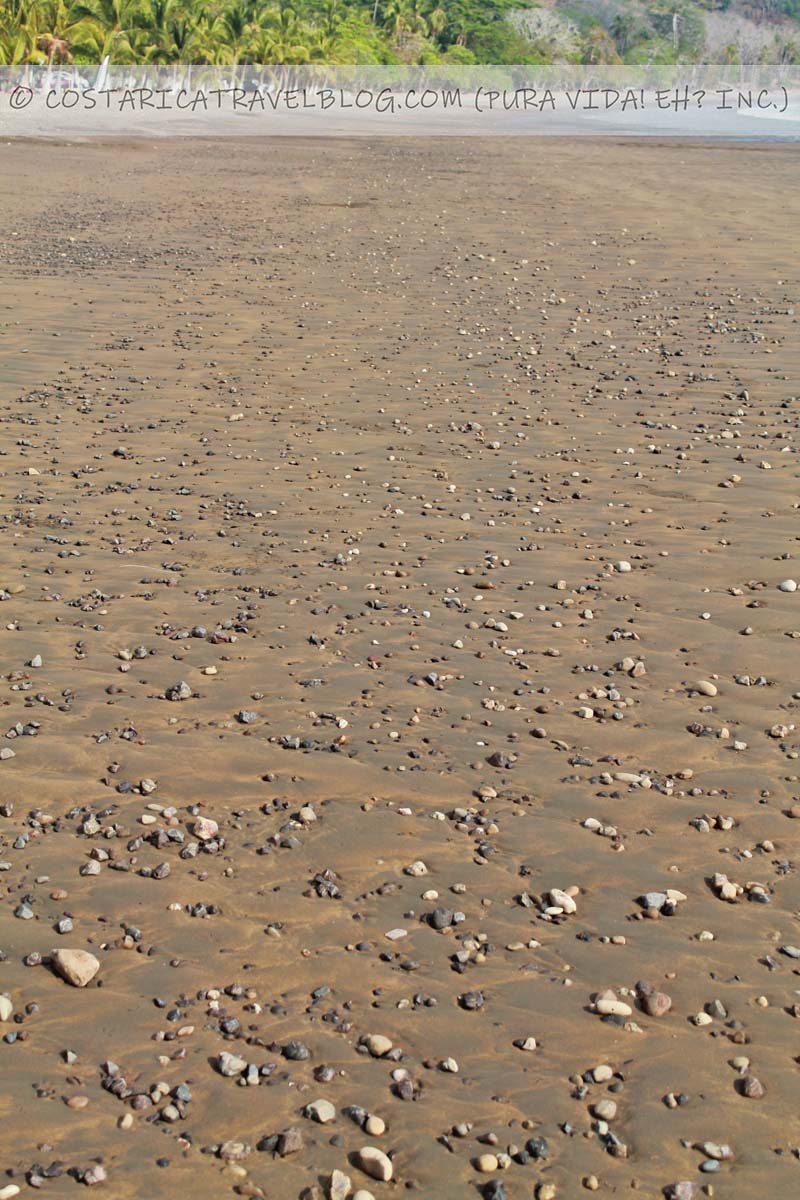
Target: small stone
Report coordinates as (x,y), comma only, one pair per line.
(77,967)
(685,1190)
(752,1087)
(706,688)
(377,1044)
(296,1051)
(718,1150)
(6,1008)
(605,1110)
(178,691)
(233,1152)
(375,1163)
(339,1186)
(230,1064)
(486,1164)
(788,585)
(416,869)
(656,1004)
(608,1005)
(538,1147)
(562,900)
(375,1126)
(289,1142)
(204,829)
(441,918)
(321,1110)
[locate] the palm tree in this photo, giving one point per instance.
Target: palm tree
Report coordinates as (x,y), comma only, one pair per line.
(416,18)
(236,29)
(395,13)
(46,31)
(286,39)
(15,47)
(155,42)
(332,18)
(625,29)
(180,37)
(437,18)
(114,25)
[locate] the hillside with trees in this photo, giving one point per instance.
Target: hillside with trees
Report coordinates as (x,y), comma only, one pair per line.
(232,32)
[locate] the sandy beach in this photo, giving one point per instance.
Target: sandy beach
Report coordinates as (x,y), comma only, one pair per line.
(400,641)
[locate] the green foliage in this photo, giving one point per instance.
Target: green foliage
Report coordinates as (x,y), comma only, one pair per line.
(499,42)
(466,32)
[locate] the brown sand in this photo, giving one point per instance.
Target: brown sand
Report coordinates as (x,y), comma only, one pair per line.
(258,388)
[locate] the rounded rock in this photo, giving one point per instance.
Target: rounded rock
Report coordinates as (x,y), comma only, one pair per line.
(377,1044)
(77,967)
(375,1163)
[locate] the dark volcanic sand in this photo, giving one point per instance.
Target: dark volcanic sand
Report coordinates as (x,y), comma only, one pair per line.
(323,416)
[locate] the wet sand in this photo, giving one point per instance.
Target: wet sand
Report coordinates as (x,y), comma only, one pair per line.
(440,474)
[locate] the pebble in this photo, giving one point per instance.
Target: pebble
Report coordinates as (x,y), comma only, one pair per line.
(321,1111)
(562,900)
(375,1163)
(77,967)
(339,1186)
(230,1064)
(377,1044)
(657,1004)
(752,1087)
(486,1163)
(718,1150)
(610,1005)
(204,829)
(179,691)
